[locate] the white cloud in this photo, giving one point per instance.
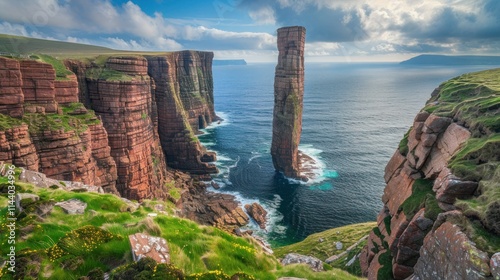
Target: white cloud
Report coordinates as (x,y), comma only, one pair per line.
(264,15)
(13,29)
(125,26)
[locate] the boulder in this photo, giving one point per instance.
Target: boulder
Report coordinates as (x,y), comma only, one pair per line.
(257,213)
(293,258)
(447,253)
(73,206)
(23,199)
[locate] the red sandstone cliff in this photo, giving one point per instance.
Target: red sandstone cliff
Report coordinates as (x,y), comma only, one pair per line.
(288,101)
(124,104)
(64,142)
(11,93)
(184,101)
(148,112)
(426,230)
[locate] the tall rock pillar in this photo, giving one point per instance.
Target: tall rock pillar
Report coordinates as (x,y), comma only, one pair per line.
(288,100)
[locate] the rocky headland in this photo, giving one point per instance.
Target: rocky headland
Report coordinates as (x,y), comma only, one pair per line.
(288,101)
(127,124)
(440,218)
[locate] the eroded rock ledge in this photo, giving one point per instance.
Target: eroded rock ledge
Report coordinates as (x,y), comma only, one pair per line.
(439,214)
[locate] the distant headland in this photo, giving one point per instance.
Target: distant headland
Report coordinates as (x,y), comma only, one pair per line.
(220,62)
(428,59)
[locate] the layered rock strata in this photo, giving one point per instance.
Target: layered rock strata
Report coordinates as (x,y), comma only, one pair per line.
(38,85)
(66,91)
(11,93)
(437,217)
(124,104)
(65,143)
(181,91)
(288,101)
(148,113)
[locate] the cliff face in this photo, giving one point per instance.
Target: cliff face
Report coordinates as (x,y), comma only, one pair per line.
(288,100)
(136,115)
(121,95)
(11,93)
(440,214)
(184,100)
(151,108)
(46,137)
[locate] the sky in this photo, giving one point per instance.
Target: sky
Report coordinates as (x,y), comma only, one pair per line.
(337,30)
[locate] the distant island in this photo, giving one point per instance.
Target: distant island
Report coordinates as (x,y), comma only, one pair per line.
(220,62)
(427,59)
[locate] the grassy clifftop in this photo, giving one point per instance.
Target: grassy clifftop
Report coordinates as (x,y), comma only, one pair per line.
(54,245)
(473,100)
(18,45)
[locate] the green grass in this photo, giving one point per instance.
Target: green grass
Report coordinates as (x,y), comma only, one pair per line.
(466,163)
(303,271)
(194,248)
(107,74)
(355,268)
(61,71)
(422,195)
(7,122)
(23,45)
(485,240)
(348,235)
(473,99)
(311,246)
(42,122)
(385,260)
(69,246)
(403,144)
(17,46)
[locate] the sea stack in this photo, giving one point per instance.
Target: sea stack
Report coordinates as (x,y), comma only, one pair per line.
(288,100)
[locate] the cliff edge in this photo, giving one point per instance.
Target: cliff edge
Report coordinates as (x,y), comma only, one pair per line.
(113,121)
(441,214)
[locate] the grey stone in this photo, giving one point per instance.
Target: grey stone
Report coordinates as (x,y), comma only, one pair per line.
(73,206)
(314,263)
(23,196)
(495,266)
(131,206)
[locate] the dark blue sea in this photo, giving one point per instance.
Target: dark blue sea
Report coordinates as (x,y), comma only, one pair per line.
(354,117)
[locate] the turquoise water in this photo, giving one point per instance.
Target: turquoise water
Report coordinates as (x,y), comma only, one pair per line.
(354,117)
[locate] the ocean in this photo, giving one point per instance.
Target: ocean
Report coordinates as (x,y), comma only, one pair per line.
(354,116)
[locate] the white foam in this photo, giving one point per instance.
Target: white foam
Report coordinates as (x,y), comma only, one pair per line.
(317,167)
(235,163)
(222,157)
(254,157)
(225,120)
(207,144)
